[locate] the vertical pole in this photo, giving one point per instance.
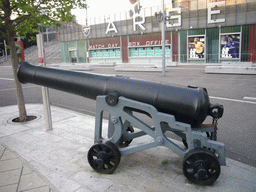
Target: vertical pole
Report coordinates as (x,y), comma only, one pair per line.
(5,50)
(47,35)
(163,40)
(45,92)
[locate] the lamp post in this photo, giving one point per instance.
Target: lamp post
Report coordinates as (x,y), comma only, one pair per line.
(160,17)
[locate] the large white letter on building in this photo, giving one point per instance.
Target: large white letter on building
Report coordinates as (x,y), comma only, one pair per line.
(210,12)
(111,27)
(139,23)
(178,17)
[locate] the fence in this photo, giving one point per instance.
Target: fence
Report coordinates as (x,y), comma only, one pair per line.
(214,58)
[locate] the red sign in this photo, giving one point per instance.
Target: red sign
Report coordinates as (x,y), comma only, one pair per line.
(148,40)
(40,60)
(105,43)
(20,43)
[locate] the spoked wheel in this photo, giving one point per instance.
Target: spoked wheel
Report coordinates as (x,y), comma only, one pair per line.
(201,166)
(104,157)
(126,143)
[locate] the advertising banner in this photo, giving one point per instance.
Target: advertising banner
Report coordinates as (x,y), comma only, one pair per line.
(230,45)
(196,47)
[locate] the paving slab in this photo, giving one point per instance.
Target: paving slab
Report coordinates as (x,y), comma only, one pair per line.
(16,176)
(31,181)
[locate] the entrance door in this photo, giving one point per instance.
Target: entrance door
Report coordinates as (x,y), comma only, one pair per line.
(73,56)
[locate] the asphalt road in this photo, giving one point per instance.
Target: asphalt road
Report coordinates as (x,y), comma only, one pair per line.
(237,127)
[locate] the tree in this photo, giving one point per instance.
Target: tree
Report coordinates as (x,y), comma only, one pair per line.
(20,17)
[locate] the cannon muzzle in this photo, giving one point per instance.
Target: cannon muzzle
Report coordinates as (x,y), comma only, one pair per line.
(188,104)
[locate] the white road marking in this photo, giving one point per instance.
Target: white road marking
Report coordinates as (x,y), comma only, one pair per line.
(12,89)
(6,79)
(236,100)
(250,98)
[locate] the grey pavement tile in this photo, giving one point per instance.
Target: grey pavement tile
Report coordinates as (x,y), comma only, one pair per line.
(65,166)
(40,189)
(155,185)
(37,123)
(44,170)
(9,177)
(231,184)
(2,134)
(79,121)
(180,182)
(83,189)
(25,137)
(2,149)
(127,178)
(9,129)
(117,187)
(8,155)
(60,116)
(10,164)
(62,183)
(18,146)
(56,130)
(9,188)
(89,180)
(37,155)
(67,144)
(83,131)
(7,112)
(26,170)
(47,136)
(2,121)
(237,170)
(87,142)
(10,142)
(64,154)
(47,146)
(31,181)
(37,132)
(72,136)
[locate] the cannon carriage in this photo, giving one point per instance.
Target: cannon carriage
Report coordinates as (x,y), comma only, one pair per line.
(181,110)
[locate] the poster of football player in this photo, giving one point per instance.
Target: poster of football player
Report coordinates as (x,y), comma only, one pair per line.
(196,47)
(230,46)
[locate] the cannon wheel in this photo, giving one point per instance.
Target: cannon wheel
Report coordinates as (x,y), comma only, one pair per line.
(126,143)
(201,166)
(104,157)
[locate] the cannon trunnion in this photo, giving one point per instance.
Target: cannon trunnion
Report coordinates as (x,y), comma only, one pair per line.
(176,109)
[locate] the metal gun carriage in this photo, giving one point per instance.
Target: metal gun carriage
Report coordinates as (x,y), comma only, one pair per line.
(181,110)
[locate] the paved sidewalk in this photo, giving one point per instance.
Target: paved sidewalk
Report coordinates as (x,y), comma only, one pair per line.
(33,159)
(17,175)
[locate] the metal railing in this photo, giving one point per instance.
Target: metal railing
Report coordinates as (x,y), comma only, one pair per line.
(214,58)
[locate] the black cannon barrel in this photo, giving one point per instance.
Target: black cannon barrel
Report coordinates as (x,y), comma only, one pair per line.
(188,104)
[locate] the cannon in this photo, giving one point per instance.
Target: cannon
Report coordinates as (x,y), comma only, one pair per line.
(177,109)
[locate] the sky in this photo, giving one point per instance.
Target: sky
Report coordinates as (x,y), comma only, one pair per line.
(99,8)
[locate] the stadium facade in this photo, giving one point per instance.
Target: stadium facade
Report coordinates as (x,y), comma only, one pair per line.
(197,31)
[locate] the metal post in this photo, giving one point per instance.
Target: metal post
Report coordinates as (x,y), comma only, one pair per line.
(163,39)
(47,33)
(45,92)
(5,50)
